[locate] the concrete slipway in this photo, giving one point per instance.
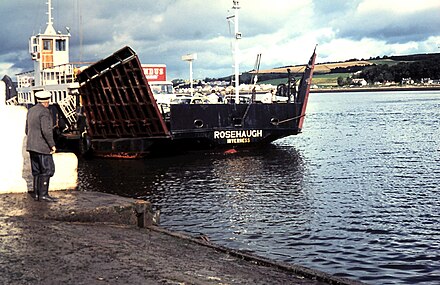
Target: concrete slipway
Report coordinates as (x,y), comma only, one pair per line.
(95,238)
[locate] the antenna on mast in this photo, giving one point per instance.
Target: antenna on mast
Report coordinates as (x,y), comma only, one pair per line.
(237,36)
(49,29)
(49,13)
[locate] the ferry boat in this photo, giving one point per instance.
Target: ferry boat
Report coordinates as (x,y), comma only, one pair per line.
(108,108)
(125,121)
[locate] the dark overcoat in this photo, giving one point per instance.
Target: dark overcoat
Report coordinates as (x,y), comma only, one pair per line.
(39,130)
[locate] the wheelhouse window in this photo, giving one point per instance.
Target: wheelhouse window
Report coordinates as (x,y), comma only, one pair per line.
(60,45)
(47,44)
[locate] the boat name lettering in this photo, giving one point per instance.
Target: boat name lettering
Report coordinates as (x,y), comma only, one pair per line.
(238,134)
(242,140)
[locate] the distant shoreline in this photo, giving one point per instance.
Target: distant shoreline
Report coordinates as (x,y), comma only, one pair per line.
(374,89)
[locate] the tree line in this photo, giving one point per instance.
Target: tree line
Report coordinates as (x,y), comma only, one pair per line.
(428,68)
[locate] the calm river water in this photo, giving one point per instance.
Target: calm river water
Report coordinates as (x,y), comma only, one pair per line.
(356,195)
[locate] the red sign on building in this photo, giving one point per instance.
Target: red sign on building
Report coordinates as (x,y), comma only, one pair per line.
(155,72)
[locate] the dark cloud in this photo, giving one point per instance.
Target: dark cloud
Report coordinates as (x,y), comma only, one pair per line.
(389,26)
(327,11)
(16,25)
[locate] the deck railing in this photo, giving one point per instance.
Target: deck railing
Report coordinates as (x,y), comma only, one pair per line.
(12,102)
(68,107)
(60,74)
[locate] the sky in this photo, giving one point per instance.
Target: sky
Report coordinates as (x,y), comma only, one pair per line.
(285,32)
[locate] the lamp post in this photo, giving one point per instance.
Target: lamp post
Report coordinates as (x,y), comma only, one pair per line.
(190,58)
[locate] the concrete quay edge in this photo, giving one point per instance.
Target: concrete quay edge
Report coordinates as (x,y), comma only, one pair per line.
(256,259)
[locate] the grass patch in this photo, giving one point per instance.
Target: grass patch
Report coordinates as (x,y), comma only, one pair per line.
(328,79)
(389,62)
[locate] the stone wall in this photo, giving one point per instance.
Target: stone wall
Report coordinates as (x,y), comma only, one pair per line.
(15,170)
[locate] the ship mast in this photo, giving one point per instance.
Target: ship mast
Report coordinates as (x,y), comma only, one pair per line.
(48,49)
(50,30)
(237,36)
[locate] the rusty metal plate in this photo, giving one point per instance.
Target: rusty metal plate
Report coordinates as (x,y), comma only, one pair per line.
(117,100)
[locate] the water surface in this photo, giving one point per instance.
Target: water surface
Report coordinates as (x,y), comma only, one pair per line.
(356,195)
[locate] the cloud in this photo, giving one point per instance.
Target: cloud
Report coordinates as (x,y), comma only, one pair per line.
(391,21)
(284,31)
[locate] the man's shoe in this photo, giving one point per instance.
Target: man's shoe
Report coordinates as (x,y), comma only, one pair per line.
(47,198)
(44,189)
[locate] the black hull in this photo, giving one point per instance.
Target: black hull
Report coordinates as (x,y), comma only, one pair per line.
(150,147)
(231,126)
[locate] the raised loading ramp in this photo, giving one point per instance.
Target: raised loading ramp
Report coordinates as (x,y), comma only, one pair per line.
(117,100)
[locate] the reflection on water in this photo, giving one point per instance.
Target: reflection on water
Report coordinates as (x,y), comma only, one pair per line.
(355,195)
(199,192)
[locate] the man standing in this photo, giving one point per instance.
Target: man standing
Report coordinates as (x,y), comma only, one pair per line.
(41,145)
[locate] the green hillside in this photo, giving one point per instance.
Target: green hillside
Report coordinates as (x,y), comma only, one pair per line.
(387,68)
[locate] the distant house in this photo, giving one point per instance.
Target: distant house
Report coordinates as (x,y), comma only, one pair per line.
(407,80)
(359,82)
(426,81)
(389,83)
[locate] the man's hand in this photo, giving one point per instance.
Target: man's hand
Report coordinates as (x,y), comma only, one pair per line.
(54,149)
